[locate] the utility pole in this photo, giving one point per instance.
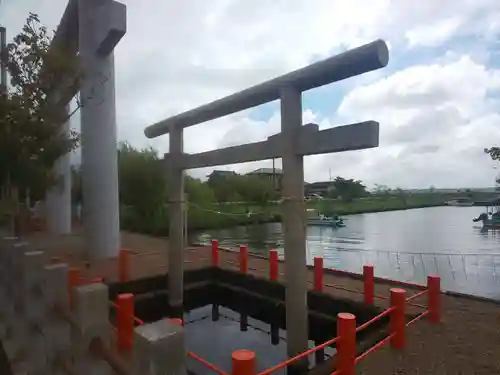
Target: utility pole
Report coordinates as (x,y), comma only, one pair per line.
(3,56)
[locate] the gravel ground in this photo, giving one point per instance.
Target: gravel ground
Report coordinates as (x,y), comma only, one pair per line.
(466,342)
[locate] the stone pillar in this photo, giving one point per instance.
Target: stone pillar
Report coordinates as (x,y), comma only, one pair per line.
(18,332)
(7,313)
(33,311)
(58,200)
(160,348)
(294,224)
(98,132)
(56,330)
(91,315)
(176,224)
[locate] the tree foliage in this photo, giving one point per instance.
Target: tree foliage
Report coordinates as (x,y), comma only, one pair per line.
(242,188)
(494,153)
(347,189)
(33,111)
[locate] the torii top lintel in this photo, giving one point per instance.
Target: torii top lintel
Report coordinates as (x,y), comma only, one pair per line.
(111,18)
(371,56)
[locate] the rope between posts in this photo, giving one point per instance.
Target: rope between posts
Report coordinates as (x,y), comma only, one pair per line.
(136,319)
(207,364)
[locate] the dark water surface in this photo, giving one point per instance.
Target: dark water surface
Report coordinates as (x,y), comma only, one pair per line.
(404,245)
(215,341)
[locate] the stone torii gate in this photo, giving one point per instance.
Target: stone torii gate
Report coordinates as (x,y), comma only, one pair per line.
(292,144)
(92,29)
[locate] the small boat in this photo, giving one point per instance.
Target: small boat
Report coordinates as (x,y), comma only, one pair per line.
(314,218)
(490,218)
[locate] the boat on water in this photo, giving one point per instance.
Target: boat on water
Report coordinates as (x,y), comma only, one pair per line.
(314,218)
(460,202)
(490,218)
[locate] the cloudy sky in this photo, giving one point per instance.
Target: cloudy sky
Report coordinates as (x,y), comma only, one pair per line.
(437,101)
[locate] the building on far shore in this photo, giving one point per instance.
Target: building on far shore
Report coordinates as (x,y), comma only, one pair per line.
(317,188)
(275,175)
(221,173)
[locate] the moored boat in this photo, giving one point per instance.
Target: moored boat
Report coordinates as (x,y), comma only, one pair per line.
(314,218)
(490,218)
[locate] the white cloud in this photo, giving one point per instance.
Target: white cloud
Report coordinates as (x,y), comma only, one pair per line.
(180,54)
(438,118)
(433,34)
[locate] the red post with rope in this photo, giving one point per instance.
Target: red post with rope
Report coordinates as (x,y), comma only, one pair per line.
(369,283)
(73,282)
(398,321)
(124,322)
(273,265)
(244,259)
(434,298)
(215,253)
(318,274)
(346,345)
(243,362)
(123,265)
(177,321)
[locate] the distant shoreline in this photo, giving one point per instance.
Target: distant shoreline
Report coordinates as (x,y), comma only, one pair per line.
(276,217)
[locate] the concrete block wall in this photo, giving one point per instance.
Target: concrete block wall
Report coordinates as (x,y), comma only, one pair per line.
(42,335)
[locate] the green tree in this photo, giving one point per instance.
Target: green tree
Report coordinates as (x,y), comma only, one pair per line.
(143,189)
(347,189)
(494,153)
(32,112)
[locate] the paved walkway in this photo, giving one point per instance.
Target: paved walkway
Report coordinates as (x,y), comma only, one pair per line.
(466,342)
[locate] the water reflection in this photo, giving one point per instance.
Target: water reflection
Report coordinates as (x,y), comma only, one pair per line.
(405,245)
(215,340)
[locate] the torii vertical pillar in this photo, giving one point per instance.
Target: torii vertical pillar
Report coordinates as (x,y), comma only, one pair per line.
(176,224)
(294,224)
(58,200)
(102,23)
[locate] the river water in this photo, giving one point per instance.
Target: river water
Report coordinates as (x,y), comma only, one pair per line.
(404,245)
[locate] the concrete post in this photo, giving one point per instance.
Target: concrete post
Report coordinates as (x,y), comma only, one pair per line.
(294,224)
(18,331)
(3,68)
(58,200)
(91,315)
(160,349)
(33,311)
(56,331)
(98,132)
(176,225)
(6,306)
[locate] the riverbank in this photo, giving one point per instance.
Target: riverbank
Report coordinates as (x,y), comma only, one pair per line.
(215,215)
(466,342)
(219,216)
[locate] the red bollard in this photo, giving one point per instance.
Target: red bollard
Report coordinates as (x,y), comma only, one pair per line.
(123,265)
(369,283)
(318,274)
(244,259)
(124,322)
(73,282)
(398,321)
(177,321)
(273,265)
(434,298)
(243,362)
(215,253)
(346,345)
